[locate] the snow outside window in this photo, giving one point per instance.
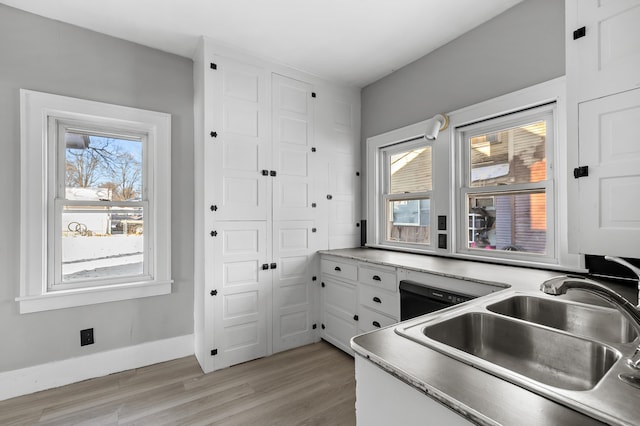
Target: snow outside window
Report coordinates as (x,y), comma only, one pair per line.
(95,202)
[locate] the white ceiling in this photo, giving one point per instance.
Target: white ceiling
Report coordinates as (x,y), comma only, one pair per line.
(350,41)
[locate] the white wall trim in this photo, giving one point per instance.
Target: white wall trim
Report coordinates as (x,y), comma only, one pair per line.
(59,373)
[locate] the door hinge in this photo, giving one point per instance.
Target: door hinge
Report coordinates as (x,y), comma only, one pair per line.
(313,94)
(214,233)
(314,230)
(314,278)
(213,134)
(213,292)
(581,171)
(322,285)
(213,208)
(579,33)
(213,66)
(214,352)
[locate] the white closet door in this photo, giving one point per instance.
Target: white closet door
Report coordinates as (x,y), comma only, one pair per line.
(240,140)
(241,306)
(609,52)
(344,172)
(294,255)
(293,155)
(609,130)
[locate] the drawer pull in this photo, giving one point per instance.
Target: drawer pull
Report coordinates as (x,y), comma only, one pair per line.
(337,268)
(376,324)
(376,278)
(377,299)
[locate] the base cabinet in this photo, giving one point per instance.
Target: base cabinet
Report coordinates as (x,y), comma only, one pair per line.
(382,399)
(356,298)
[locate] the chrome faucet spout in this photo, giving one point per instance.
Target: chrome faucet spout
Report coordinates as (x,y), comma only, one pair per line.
(560,285)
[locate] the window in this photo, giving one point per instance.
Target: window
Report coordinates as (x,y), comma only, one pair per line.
(506,187)
(400,190)
(494,179)
(95,202)
(407,183)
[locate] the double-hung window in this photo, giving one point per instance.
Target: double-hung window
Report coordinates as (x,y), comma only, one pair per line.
(400,190)
(506,193)
(95,202)
(494,179)
(407,186)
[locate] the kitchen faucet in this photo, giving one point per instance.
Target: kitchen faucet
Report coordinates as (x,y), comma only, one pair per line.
(559,285)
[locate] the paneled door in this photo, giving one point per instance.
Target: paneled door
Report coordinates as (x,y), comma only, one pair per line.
(609,130)
(240,142)
(242,292)
(293,149)
(609,51)
(294,254)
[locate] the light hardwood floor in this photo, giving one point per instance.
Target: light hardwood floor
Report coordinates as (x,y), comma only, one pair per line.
(311,385)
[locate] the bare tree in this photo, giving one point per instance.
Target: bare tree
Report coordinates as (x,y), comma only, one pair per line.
(127,176)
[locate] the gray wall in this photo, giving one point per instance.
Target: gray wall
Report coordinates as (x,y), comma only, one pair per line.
(519,48)
(49,56)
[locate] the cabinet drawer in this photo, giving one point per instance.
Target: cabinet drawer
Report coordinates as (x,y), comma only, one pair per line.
(370,320)
(336,268)
(379,300)
(378,276)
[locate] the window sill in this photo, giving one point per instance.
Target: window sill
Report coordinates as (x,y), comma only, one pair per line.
(91,296)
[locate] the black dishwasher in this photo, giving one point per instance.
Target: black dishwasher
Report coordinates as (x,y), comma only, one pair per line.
(417,299)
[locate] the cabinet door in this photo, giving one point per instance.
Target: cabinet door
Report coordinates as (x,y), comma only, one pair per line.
(239,142)
(610,195)
(338,310)
(293,157)
(294,257)
(608,56)
(340,120)
(243,290)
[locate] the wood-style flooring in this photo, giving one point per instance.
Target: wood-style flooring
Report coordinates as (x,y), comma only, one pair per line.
(310,385)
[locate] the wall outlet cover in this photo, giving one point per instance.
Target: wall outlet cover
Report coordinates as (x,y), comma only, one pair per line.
(86,337)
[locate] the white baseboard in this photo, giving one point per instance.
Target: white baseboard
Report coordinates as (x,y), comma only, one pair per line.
(59,373)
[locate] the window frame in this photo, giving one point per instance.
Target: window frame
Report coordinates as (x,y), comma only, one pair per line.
(41,117)
(378,186)
(446,177)
(548,111)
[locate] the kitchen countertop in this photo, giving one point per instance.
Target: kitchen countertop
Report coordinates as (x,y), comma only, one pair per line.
(473,393)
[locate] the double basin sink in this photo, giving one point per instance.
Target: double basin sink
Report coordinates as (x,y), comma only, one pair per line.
(569,352)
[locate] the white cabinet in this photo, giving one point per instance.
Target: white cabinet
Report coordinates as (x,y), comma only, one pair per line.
(339,317)
(603,118)
(378,297)
(264,148)
(356,298)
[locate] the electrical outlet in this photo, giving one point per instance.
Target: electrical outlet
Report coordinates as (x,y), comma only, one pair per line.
(86,337)
(442,241)
(442,223)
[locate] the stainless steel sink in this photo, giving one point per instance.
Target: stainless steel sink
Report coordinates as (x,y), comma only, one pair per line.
(570,352)
(555,359)
(594,322)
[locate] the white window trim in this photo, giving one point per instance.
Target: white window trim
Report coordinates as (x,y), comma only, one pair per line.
(36,109)
(462,191)
(376,186)
(445,202)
